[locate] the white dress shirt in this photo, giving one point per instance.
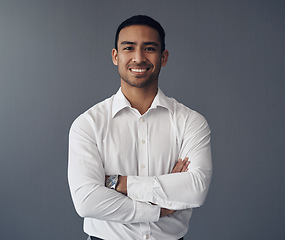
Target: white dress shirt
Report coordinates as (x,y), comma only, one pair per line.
(114,138)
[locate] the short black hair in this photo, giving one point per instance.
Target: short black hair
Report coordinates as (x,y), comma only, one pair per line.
(142,20)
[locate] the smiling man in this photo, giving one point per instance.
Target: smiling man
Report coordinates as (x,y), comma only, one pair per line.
(139,56)
(139,162)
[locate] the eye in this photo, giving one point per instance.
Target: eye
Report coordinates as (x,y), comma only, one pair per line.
(150,49)
(128,48)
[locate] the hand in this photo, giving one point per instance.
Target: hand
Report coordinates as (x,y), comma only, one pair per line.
(181,166)
(165,212)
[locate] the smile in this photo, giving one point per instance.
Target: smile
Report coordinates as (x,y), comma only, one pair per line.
(139,70)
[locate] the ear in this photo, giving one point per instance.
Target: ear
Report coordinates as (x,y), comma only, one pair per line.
(164,57)
(115,56)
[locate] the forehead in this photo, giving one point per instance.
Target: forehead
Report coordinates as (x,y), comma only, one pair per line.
(139,33)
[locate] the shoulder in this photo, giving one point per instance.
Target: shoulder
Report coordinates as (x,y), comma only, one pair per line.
(96,115)
(182,111)
(187,118)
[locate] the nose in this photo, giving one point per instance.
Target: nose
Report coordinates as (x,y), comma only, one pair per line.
(139,56)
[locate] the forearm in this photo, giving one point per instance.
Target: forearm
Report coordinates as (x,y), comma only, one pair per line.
(180,166)
(97,201)
(173,191)
(164,191)
(93,200)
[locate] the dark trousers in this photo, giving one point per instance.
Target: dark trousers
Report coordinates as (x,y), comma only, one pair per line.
(95,238)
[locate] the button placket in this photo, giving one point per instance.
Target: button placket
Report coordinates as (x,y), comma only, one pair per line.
(143,164)
(145,230)
(143,149)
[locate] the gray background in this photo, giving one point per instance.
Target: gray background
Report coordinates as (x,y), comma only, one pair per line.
(226,61)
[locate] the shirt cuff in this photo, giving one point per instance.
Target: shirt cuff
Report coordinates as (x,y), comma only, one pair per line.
(146,189)
(146,212)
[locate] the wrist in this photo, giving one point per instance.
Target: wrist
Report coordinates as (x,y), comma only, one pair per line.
(122,185)
(112,181)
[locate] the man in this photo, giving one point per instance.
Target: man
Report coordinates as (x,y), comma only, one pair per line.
(126,173)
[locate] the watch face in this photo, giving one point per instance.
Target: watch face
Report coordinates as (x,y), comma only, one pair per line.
(112,181)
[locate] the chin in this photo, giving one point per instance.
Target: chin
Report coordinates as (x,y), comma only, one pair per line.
(139,82)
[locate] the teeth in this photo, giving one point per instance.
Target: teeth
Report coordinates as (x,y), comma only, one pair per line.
(138,70)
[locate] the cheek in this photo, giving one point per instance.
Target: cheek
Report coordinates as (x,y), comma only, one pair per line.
(122,61)
(157,64)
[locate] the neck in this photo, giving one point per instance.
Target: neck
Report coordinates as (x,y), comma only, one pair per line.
(140,98)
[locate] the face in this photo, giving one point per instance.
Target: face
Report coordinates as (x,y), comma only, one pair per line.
(139,56)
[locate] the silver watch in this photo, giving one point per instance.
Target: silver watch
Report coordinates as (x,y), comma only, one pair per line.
(112,181)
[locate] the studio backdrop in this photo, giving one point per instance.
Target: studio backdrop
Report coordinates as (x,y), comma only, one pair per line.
(226,62)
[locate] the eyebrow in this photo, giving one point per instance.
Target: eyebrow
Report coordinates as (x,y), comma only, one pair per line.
(145,43)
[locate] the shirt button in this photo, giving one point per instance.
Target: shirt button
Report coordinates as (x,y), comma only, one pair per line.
(142,119)
(142,166)
(147,236)
(143,141)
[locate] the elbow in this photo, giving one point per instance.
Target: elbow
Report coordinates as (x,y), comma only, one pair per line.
(81,209)
(199,188)
(86,203)
(88,209)
(199,197)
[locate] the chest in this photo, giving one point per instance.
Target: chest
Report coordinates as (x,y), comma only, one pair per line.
(144,146)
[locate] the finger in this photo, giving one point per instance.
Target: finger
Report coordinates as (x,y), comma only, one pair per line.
(185,159)
(185,167)
(177,166)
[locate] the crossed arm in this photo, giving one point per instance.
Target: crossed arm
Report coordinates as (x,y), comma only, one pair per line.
(180,166)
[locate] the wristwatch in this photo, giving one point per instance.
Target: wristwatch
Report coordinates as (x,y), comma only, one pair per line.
(112,181)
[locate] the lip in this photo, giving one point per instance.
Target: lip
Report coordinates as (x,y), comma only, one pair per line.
(139,70)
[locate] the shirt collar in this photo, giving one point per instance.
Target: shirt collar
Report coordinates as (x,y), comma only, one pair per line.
(120,102)
(162,101)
